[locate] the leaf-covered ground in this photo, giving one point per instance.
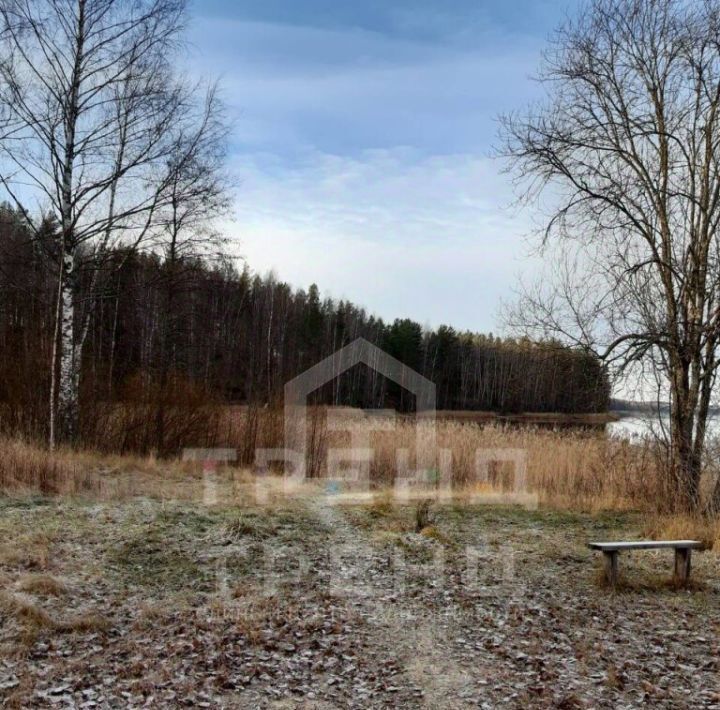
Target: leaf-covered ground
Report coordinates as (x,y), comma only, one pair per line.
(149,604)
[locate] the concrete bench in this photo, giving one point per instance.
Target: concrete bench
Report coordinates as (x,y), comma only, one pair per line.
(683,551)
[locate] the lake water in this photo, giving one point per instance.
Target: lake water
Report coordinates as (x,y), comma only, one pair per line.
(637,425)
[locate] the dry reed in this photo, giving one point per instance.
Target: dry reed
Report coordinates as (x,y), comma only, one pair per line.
(573,469)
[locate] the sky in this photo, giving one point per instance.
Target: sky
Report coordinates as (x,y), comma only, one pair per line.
(362,145)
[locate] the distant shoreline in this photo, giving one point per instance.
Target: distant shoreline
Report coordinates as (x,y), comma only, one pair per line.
(625,408)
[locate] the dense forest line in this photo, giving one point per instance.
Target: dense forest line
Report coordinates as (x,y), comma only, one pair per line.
(158,321)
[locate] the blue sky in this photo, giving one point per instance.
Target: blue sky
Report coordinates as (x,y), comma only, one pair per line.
(362,139)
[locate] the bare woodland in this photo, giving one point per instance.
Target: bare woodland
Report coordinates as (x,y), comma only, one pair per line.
(115,281)
(116,288)
(130,331)
(103,137)
(181,331)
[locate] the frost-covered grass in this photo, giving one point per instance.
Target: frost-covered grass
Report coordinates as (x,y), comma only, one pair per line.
(152,601)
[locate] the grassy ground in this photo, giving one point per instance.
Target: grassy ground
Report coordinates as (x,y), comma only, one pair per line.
(309,604)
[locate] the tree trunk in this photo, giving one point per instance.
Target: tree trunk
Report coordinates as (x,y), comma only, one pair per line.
(54,365)
(686,469)
(685,462)
(69,380)
(167,351)
(68,411)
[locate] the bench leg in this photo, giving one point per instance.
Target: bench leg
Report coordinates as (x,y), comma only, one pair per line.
(611,567)
(682,565)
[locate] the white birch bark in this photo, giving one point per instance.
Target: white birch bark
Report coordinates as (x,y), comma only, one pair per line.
(69,372)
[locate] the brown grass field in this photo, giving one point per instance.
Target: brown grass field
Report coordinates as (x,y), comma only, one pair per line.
(579,468)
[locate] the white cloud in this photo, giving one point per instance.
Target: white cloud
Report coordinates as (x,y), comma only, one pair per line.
(360,155)
(403,235)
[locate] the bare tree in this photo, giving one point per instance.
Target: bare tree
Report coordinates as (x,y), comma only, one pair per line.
(626,146)
(95,115)
(198,193)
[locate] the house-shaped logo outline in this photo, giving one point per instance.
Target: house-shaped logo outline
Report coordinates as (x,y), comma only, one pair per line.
(359,351)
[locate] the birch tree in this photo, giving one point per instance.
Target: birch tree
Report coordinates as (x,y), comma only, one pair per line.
(93,109)
(626,146)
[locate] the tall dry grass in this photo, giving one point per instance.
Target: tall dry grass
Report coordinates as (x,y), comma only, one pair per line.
(27,468)
(580,470)
(30,469)
(568,468)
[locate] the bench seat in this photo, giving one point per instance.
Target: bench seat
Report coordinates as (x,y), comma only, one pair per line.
(646,545)
(683,551)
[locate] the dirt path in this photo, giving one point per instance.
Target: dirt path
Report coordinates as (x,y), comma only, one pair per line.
(420,641)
